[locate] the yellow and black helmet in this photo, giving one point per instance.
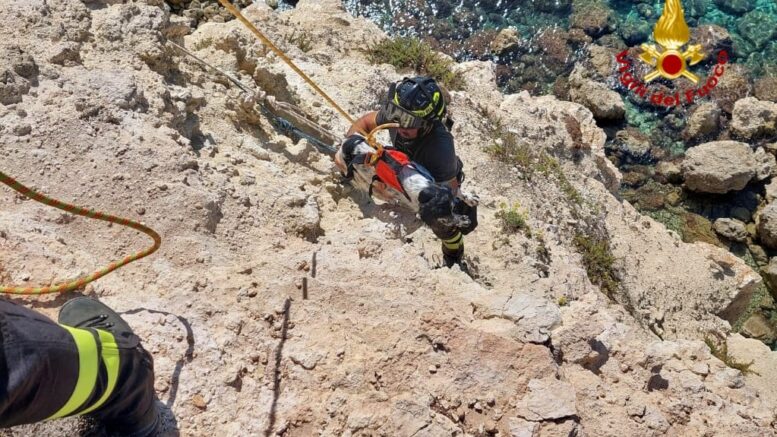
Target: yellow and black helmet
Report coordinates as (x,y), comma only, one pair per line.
(414,102)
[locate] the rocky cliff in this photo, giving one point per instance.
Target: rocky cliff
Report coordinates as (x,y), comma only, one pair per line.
(282,302)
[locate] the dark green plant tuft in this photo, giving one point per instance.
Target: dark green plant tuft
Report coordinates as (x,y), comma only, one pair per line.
(721,353)
(412,53)
(598,261)
(303,40)
(513,219)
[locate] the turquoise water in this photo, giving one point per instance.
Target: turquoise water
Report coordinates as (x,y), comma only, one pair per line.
(552,42)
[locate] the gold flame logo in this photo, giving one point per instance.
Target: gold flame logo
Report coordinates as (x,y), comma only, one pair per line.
(671,33)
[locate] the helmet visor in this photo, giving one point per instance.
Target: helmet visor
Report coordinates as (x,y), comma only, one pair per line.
(405,118)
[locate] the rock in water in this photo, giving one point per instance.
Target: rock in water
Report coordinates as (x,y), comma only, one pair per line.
(719,167)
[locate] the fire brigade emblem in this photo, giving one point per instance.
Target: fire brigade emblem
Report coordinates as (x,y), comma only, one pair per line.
(671,33)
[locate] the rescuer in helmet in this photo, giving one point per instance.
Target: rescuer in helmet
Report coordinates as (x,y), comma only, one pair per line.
(418,105)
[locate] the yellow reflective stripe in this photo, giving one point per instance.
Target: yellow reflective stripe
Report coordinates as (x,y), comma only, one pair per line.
(429,108)
(87,371)
(111,360)
(455,242)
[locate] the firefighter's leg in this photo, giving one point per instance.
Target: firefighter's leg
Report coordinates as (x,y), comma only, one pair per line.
(130,408)
(435,211)
(49,371)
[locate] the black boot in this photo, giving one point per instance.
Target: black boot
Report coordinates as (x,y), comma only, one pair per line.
(452,256)
(85,312)
(132,408)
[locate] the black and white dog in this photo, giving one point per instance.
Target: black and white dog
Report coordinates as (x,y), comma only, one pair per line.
(393,178)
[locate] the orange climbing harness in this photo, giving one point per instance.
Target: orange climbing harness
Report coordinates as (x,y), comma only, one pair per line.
(82,280)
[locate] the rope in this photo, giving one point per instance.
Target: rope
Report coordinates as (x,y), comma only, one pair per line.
(281,124)
(283,56)
(82,280)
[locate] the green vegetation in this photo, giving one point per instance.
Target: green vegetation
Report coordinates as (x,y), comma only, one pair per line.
(563,301)
(412,53)
(508,147)
(513,219)
(721,353)
(303,40)
(598,261)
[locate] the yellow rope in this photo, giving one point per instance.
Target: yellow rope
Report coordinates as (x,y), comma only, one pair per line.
(233,10)
(83,280)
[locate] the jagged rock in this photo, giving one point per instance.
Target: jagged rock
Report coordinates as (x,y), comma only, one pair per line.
(213,213)
(548,399)
(20,61)
(603,102)
(66,53)
(522,428)
(592,16)
(533,317)
(304,357)
(602,59)
(765,88)
(565,428)
(16,74)
(361,344)
(669,172)
(704,120)
(732,229)
(634,31)
(764,364)
(718,167)
(766,164)
(753,118)
(770,272)
(712,38)
(771,191)
(732,86)
(758,327)
(12,86)
(506,40)
(634,144)
(304,220)
(767,226)
(577,343)
(759,253)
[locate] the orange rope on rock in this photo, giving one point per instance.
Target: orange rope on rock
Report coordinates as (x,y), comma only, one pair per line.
(233,10)
(83,280)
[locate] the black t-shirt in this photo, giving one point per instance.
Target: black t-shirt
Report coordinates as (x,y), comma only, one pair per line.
(434,151)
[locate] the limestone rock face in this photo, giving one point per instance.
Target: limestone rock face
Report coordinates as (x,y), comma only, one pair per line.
(282,292)
(767,226)
(719,167)
(732,229)
(505,40)
(603,102)
(765,88)
(753,118)
(548,399)
(703,121)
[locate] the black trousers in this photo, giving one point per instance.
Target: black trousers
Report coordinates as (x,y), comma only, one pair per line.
(39,369)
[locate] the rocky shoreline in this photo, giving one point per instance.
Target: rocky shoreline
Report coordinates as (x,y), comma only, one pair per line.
(580,58)
(283,303)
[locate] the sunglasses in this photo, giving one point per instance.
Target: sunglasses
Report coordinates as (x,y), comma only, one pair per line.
(405,118)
